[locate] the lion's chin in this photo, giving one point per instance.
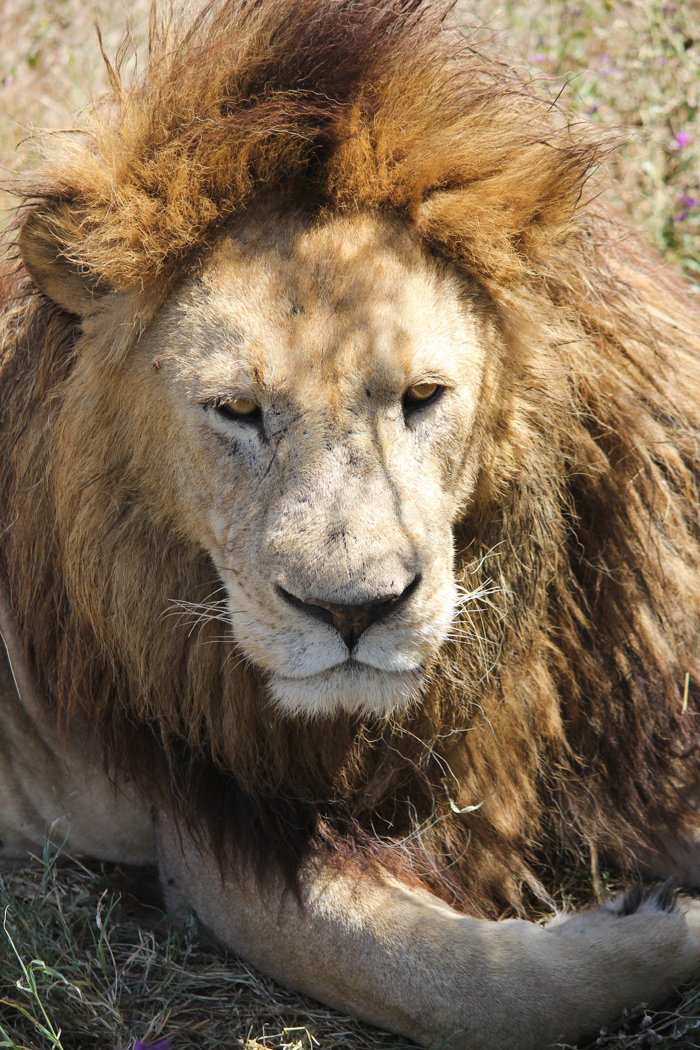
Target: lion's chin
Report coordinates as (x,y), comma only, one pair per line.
(351,687)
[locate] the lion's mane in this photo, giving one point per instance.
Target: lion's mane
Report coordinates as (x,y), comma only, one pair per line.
(555,717)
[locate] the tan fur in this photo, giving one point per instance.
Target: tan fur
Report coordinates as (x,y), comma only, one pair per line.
(53,789)
(313,207)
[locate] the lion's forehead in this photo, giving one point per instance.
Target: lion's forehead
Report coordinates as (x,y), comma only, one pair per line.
(325,311)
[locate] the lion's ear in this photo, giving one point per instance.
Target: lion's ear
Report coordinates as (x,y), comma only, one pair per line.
(63,280)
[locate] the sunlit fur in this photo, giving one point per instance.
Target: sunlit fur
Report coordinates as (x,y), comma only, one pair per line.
(552,716)
(320,494)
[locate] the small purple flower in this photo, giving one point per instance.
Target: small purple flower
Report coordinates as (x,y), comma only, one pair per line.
(537,57)
(592,109)
(687,201)
(163,1044)
(606,67)
(682,139)
(663,60)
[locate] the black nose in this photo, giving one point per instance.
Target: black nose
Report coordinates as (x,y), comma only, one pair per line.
(351,620)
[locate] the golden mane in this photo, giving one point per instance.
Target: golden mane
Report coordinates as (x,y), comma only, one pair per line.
(554,719)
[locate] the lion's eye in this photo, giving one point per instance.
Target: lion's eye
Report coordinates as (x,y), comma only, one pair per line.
(421,394)
(421,391)
(239,408)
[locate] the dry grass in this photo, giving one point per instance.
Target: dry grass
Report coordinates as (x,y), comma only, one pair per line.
(85,965)
(88,961)
(635,65)
(50,65)
(81,965)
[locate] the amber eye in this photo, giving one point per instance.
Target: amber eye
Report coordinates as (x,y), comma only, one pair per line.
(239,408)
(421,394)
(421,391)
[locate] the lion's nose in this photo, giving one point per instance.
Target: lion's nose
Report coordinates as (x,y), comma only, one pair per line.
(351,621)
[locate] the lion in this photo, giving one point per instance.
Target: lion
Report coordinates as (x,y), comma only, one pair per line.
(349,540)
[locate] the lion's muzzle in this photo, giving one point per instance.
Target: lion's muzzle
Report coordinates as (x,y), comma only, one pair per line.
(351,621)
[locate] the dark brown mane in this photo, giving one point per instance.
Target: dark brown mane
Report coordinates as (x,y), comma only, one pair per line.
(562,726)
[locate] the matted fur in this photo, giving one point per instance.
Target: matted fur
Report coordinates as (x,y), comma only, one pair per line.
(553,719)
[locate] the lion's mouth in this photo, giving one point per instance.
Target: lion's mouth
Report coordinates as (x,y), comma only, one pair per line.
(352,666)
(349,685)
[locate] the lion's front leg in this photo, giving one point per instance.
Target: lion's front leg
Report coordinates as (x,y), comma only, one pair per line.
(403,960)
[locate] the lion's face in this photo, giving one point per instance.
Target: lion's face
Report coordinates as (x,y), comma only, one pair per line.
(320,386)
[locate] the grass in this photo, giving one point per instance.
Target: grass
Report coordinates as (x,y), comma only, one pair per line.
(82,964)
(634,65)
(88,961)
(85,964)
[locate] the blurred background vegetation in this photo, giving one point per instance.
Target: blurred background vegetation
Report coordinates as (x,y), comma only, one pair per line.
(633,65)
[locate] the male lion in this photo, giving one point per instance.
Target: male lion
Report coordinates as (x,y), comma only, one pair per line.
(350,546)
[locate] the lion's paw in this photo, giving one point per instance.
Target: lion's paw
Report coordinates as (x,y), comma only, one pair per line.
(640,898)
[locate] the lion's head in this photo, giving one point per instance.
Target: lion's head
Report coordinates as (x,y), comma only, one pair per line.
(317,398)
(324,395)
(329,381)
